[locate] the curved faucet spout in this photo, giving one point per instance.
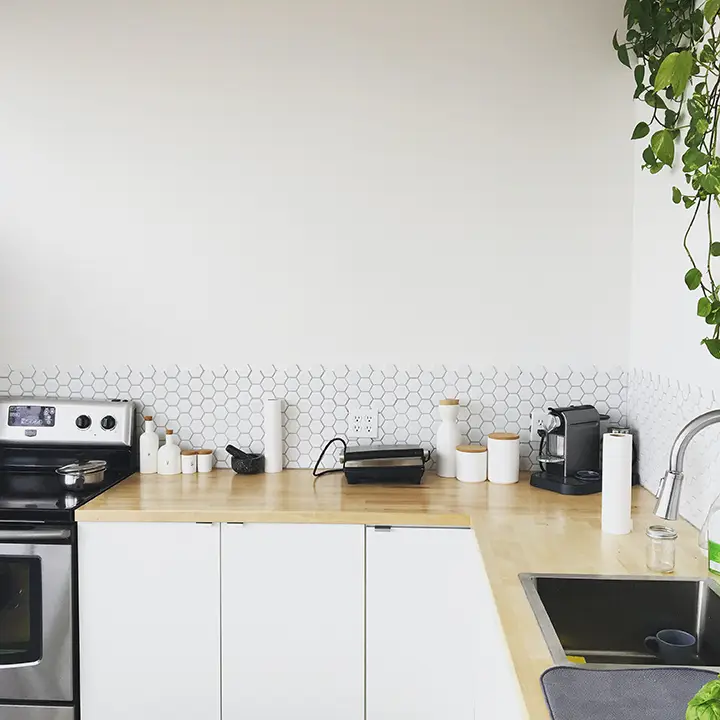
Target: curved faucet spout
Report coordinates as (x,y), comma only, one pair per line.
(668,495)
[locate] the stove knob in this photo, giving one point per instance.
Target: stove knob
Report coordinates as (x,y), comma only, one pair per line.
(83,422)
(108,422)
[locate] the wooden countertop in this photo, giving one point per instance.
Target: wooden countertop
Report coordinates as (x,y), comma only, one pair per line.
(518,528)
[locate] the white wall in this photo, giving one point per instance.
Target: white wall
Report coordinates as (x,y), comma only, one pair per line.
(666,332)
(673,377)
(334,180)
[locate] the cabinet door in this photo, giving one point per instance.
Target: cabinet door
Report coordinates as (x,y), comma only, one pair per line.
(149,602)
(422,614)
(292,621)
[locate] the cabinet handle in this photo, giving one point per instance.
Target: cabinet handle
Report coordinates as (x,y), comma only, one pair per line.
(203,523)
(383,528)
(235,523)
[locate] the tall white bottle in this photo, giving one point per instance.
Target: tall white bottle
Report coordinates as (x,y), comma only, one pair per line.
(149,445)
(169,456)
(448,437)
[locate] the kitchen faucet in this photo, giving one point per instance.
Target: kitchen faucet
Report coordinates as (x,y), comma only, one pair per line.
(668,495)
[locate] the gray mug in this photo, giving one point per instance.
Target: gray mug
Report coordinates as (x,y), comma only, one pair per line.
(674,647)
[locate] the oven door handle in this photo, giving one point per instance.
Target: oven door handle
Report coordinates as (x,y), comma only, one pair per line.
(37,535)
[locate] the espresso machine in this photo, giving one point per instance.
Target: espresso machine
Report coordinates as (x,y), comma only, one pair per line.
(570,451)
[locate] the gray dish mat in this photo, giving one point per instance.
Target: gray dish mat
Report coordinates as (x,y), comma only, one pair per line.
(638,694)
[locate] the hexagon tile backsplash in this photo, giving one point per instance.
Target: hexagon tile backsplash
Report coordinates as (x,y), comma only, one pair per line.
(211,406)
(658,408)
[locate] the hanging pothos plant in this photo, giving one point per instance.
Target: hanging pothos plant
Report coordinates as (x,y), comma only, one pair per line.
(673,47)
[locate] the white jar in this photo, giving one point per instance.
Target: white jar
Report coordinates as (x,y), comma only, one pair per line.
(471,463)
(204,461)
(448,437)
(169,456)
(503,458)
(188,460)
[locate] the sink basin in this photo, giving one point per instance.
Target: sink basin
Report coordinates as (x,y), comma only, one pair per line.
(605,619)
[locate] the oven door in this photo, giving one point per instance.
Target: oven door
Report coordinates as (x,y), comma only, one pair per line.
(36,614)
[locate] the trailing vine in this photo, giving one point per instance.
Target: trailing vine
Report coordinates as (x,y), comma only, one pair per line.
(673,48)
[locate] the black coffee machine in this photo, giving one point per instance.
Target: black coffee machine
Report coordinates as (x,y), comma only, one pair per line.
(570,452)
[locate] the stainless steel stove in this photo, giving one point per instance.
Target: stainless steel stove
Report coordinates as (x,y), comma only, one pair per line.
(38,549)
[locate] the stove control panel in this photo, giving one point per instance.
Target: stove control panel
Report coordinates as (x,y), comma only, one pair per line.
(85,422)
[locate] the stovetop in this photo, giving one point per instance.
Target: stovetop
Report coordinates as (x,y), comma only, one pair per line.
(40,495)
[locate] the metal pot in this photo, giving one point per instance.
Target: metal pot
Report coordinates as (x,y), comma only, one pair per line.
(78,476)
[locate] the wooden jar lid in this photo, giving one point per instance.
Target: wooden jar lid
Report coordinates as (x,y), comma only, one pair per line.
(189,452)
(471,448)
(169,432)
(503,436)
(204,452)
(147,417)
(450,401)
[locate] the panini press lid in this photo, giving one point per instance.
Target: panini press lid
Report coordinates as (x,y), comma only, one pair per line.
(382,452)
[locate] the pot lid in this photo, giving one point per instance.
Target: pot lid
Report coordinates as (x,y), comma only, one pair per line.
(80,468)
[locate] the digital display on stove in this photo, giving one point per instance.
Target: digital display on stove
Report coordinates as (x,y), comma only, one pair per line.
(31,416)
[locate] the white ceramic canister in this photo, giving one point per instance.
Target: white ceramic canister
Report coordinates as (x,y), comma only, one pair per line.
(503,458)
(204,461)
(448,437)
(188,460)
(471,463)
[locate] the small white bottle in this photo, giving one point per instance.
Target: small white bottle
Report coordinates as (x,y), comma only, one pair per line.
(169,462)
(448,437)
(149,445)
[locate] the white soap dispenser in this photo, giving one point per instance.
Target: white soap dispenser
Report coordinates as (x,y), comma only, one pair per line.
(169,456)
(149,445)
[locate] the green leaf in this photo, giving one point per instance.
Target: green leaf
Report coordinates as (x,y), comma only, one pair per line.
(670,118)
(695,108)
(639,74)
(712,7)
(676,195)
(675,70)
(706,709)
(682,72)
(655,101)
(616,44)
(693,278)
(702,125)
(693,160)
(688,201)
(704,307)
(642,129)
(664,76)
(623,57)
(715,249)
(711,184)
(648,156)
(663,146)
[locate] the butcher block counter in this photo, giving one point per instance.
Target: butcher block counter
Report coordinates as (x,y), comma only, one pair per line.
(518,529)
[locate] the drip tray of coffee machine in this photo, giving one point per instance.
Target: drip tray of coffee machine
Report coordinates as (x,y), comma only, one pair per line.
(584,482)
(570,452)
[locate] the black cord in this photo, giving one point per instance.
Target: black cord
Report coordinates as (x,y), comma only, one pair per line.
(542,434)
(317,474)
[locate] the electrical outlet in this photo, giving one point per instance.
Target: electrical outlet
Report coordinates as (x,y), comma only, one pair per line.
(362,423)
(538,421)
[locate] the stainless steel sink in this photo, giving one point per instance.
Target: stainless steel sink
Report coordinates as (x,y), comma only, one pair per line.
(605,619)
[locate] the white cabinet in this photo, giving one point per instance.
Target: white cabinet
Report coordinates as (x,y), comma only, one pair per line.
(149,604)
(432,635)
(293,622)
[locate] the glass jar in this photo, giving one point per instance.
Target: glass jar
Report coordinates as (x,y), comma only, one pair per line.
(661,548)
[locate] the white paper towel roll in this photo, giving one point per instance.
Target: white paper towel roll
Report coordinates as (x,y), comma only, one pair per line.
(273,435)
(617,483)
